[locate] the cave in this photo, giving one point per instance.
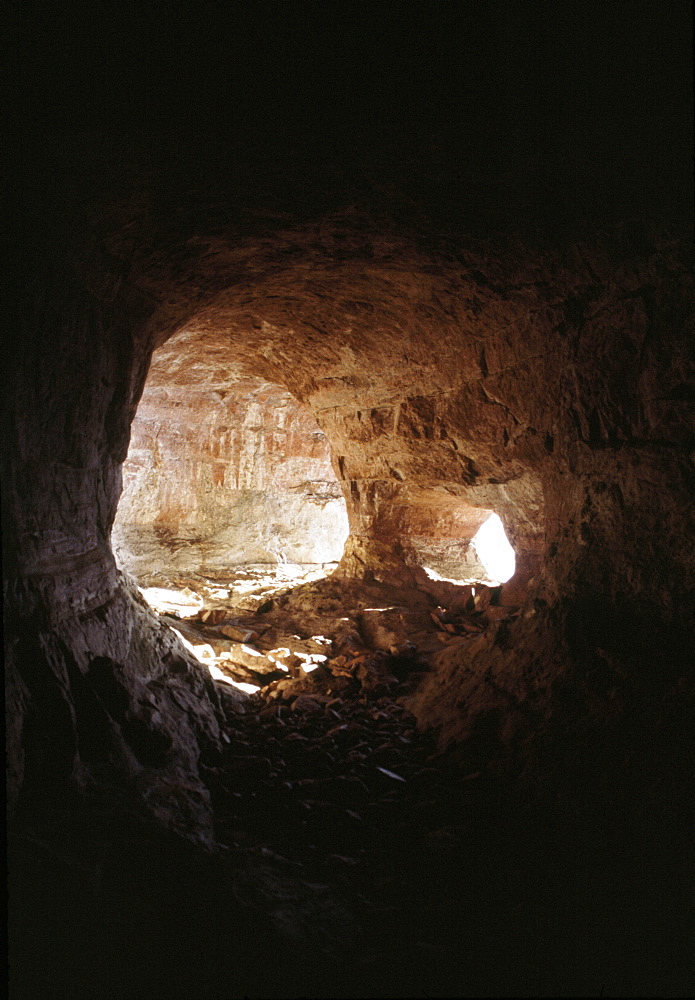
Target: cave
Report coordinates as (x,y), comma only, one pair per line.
(347,483)
(228,474)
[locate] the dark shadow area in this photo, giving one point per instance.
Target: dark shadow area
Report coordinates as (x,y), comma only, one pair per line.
(460,235)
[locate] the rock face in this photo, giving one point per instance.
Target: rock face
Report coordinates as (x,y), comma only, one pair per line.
(223,471)
(450,373)
(438,265)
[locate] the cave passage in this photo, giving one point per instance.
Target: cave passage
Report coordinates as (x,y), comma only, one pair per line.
(229,492)
(230,500)
(396,316)
(229,480)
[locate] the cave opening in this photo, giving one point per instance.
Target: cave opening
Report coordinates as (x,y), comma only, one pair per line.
(228,489)
(488,557)
(453,540)
(230,500)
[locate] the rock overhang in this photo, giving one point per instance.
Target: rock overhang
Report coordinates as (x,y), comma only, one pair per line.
(533,371)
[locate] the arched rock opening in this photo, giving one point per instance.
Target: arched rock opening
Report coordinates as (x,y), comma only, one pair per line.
(224,471)
(409,460)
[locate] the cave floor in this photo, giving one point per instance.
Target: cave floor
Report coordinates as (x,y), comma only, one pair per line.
(354,857)
(288,630)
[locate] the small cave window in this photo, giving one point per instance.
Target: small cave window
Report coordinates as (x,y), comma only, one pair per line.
(494,551)
(453,541)
(229,481)
(488,558)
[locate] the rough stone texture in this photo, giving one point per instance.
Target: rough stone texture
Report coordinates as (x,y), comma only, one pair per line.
(224,470)
(87,704)
(542,376)
(461,238)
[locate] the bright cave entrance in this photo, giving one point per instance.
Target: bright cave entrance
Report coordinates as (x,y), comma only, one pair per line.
(451,540)
(228,492)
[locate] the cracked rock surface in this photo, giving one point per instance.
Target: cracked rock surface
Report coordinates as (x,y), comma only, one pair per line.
(395,324)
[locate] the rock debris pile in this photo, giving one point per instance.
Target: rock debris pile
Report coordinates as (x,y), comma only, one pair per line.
(304,646)
(308,650)
(345,826)
(354,855)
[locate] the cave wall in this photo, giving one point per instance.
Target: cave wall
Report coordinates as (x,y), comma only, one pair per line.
(100,698)
(504,380)
(546,380)
(222,474)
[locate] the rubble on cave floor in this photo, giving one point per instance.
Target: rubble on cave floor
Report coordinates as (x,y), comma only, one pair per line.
(343,822)
(282,640)
(325,778)
(387,864)
(351,807)
(353,855)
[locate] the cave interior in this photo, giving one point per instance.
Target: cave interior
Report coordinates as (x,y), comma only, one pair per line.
(348,542)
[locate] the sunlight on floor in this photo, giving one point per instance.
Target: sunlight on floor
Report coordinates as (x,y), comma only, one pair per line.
(182,602)
(258,575)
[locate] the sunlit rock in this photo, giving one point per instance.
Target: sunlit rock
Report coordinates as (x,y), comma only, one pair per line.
(223,471)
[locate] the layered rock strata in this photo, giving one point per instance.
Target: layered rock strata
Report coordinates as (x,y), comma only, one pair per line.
(224,473)
(451,374)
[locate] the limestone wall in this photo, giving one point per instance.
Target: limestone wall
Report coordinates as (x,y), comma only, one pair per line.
(217,477)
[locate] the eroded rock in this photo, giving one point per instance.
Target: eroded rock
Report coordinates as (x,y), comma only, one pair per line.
(224,470)
(543,379)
